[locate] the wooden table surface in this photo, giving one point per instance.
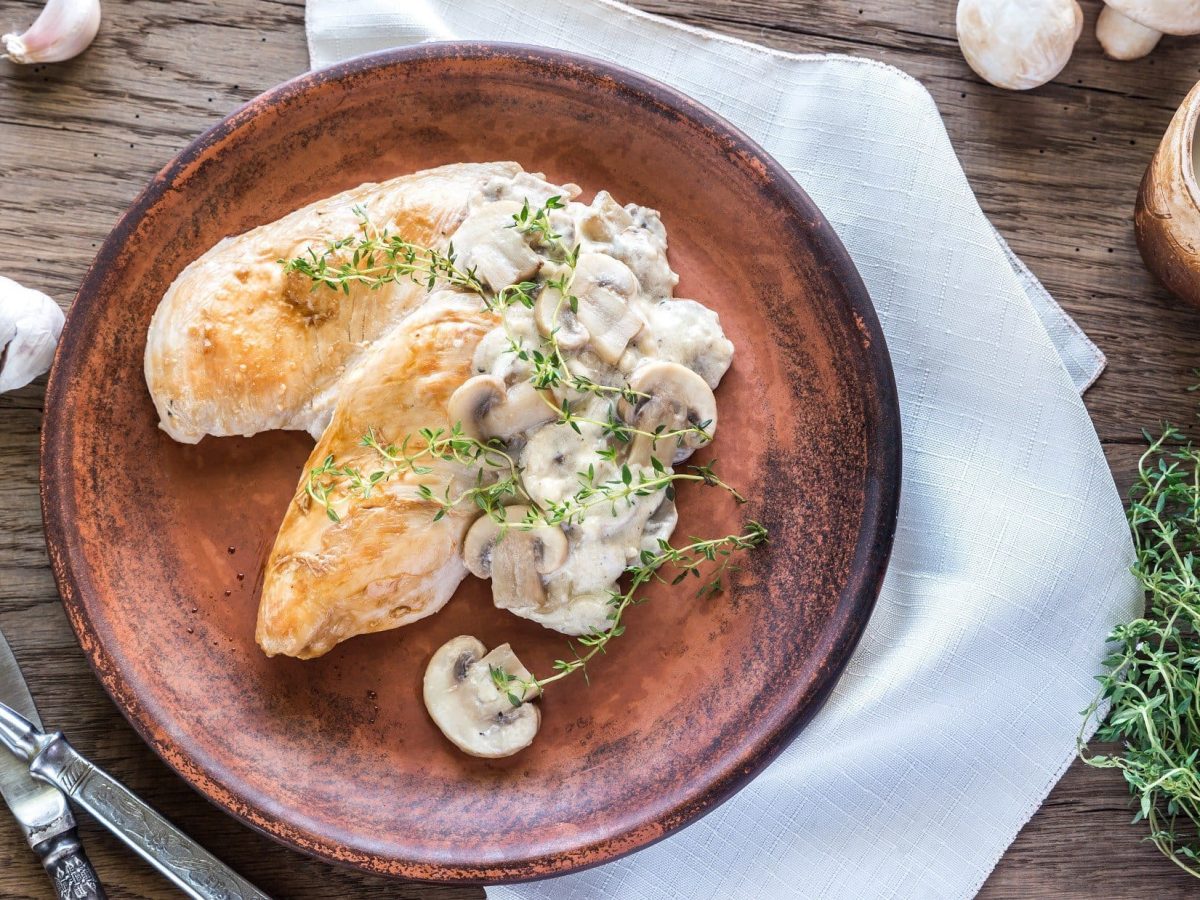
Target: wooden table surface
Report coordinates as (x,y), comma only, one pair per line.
(1056,169)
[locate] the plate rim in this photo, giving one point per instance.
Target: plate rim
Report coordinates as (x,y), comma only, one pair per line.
(868,565)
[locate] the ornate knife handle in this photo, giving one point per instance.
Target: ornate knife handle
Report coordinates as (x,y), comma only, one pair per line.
(69,868)
(193,869)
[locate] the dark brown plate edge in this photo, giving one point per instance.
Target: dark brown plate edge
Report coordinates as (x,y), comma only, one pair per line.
(856,602)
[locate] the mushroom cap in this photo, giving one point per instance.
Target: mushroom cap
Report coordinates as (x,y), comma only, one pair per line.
(472,401)
(605,286)
(484,408)
(523,408)
(600,271)
(1122,38)
(676,396)
(1179,17)
(465,704)
(487,243)
(1018,44)
(554,317)
(548,546)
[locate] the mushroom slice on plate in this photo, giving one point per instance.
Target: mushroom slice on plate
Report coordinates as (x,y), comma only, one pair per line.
(1018,44)
(487,243)
(671,397)
(465,701)
(485,408)
(605,286)
(554,316)
(515,558)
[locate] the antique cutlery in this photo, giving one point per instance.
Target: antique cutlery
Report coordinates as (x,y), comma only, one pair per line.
(40,808)
(56,765)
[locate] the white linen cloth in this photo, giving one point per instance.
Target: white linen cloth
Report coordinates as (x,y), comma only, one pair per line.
(959,710)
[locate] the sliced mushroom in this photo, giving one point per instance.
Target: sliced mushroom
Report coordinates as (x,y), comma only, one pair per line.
(599,271)
(466,703)
(1018,44)
(605,287)
(514,558)
(555,317)
(499,253)
(484,408)
(551,460)
(604,219)
(672,397)
(659,527)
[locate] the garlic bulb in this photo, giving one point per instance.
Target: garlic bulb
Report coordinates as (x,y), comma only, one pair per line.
(62,30)
(30,323)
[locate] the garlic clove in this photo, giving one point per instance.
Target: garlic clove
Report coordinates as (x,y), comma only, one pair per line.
(1167,216)
(64,29)
(30,324)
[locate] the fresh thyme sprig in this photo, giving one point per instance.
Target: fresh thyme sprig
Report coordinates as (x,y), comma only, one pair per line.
(688,560)
(1152,680)
(329,479)
(536,223)
(624,488)
(375,257)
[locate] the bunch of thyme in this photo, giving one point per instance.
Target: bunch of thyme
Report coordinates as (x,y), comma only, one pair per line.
(1152,680)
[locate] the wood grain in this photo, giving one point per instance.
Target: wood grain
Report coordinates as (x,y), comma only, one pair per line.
(1056,169)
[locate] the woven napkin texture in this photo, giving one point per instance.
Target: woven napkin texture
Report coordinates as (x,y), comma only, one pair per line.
(959,710)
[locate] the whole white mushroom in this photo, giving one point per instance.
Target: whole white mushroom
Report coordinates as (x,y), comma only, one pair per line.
(1018,44)
(30,323)
(1129,29)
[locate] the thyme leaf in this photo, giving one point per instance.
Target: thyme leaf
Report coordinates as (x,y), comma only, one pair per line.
(1152,677)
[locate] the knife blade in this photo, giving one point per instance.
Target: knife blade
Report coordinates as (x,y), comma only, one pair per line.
(40,809)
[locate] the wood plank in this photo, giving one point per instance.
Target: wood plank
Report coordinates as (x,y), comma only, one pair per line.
(1056,169)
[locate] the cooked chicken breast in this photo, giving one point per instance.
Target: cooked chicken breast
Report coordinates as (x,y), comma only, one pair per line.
(237,347)
(386,562)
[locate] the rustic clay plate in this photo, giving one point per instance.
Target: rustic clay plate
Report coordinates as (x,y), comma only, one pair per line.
(158,548)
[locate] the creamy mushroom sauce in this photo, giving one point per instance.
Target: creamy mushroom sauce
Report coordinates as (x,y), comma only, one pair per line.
(630,248)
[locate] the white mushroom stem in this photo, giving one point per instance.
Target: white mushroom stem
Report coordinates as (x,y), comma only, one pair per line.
(673,398)
(479,700)
(514,556)
(553,316)
(1129,29)
(1122,38)
(30,324)
(484,408)
(1018,44)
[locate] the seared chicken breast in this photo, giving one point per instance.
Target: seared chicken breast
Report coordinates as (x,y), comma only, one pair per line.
(238,346)
(385,561)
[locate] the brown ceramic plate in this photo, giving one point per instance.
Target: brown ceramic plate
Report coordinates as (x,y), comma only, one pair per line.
(158,548)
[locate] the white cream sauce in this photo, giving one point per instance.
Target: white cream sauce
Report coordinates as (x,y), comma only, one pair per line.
(623,267)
